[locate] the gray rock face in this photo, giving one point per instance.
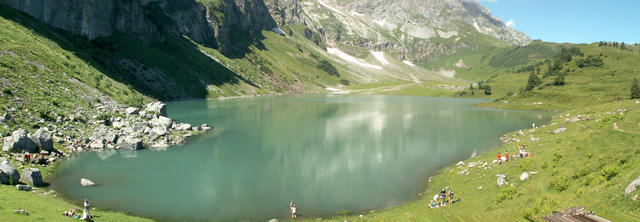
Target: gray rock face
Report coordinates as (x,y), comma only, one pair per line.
(11,172)
(19,141)
(200,22)
(403,28)
(43,139)
(130,143)
(32,176)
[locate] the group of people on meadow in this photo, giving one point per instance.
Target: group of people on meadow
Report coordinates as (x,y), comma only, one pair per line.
(75,213)
(33,158)
(521,153)
(444,198)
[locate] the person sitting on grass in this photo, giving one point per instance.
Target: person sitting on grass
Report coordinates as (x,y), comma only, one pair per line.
(506,155)
(435,198)
(432,204)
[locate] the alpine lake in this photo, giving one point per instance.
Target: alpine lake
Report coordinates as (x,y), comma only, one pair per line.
(329,154)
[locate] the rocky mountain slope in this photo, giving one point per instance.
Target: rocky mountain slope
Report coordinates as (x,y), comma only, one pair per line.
(414,30)
(194,49)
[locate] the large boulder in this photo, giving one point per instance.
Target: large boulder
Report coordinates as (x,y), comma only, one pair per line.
(183,126)
(161,121)
(43,139)
(97,144)
(131,111)
(11,172)
(524,176)
(160,131)
(4,179)
(154,109)
(19,141)
(111,137)
(32,176)
(130,143)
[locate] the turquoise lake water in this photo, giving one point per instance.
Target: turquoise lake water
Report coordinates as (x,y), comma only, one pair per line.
(327,153)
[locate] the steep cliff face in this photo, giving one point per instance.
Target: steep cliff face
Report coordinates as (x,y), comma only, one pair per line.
(211,23)
(417,30)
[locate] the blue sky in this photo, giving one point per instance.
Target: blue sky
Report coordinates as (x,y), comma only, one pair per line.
(574,21)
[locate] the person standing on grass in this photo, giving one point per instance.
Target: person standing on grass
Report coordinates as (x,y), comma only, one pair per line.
(86,205)
(293,212)
(499,158)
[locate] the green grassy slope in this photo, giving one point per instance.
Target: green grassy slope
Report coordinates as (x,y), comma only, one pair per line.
(588,165)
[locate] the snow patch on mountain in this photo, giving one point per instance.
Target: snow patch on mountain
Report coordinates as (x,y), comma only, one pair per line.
(409,63)
(348,58)
(380,57)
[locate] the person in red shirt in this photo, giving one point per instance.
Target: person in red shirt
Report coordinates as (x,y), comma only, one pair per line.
(499,158)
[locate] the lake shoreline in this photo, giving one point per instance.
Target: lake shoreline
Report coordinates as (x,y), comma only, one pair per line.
(364,210)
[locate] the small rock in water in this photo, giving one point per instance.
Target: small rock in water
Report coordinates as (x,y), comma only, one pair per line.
(86,182)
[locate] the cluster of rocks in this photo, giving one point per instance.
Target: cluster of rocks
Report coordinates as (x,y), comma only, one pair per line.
(137,128)
(20,140)
(126,128)
(10,175)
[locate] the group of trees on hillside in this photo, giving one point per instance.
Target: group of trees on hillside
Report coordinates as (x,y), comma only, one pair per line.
(620,45)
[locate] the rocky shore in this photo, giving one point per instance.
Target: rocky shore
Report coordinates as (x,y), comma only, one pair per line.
(105,129)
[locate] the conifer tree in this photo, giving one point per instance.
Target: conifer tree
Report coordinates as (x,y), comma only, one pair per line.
(533,81)
(635,89)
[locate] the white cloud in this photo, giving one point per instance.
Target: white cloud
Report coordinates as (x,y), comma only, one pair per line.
(511,23)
